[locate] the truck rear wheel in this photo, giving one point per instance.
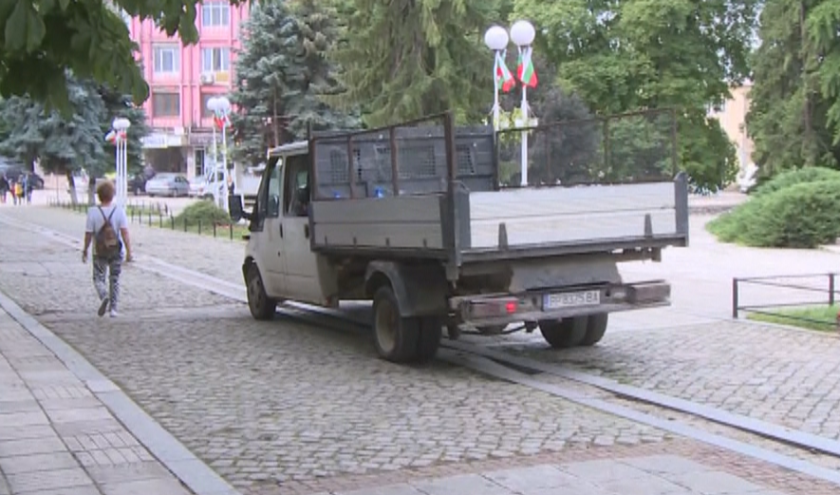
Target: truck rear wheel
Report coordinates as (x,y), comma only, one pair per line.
(400,339)
(565,333)
(262,307)
(596,327)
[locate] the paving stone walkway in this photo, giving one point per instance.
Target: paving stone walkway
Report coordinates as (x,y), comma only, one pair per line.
(57,438)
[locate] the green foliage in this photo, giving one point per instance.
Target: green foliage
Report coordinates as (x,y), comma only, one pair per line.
(42,39)
(794,116)
(67,143)
(804,215)
(798,176)
(407,59)
(204,212)
(282,76)
(642,54)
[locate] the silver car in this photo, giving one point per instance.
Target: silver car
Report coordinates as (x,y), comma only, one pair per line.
(168,184)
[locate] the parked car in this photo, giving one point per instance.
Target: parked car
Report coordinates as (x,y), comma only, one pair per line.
(168,184)
(200,187)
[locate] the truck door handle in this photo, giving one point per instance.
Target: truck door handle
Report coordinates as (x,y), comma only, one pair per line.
(306,231)
(281,230)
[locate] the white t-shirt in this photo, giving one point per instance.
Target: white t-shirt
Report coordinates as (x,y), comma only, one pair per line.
(96,219)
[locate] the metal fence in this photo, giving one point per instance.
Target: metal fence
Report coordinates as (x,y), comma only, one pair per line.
(800,291)
(624,148)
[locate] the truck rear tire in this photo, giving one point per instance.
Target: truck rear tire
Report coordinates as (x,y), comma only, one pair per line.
(262,307)
(403,339)
(596,327)
(428,342)
(565,333)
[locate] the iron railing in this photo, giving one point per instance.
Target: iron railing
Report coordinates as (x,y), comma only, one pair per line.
(823,283)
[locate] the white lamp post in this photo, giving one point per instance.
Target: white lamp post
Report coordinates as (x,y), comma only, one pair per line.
(119,135)
(496,39)
(522,34)
(220,106)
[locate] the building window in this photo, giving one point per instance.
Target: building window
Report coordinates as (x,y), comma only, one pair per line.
(215,14)
(167,59)
(166,104)
(215,60)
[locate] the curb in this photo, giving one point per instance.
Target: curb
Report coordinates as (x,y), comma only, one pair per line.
(172,454)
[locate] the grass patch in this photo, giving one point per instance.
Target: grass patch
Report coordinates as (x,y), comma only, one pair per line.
(820,318)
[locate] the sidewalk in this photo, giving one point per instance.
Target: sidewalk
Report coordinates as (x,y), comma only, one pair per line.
(57,438)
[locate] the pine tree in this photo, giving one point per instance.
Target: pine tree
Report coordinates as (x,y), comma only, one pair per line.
(405,59)
(794,117)
(282,73)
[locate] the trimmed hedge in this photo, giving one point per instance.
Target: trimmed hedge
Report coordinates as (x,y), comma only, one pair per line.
(802,215)
(798,176)
(205,213)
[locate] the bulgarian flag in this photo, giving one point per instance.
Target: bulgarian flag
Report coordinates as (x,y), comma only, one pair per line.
(525,71)
(221,120)
(504,79)
(114,136)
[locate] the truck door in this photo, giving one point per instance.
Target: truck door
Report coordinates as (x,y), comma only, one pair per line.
(301,264)
(269,245)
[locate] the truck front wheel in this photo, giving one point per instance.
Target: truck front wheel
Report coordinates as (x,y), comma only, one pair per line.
(565,333)
(262,307)
(399,339)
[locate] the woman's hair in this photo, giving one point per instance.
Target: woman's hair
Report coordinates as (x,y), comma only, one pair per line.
(105,191)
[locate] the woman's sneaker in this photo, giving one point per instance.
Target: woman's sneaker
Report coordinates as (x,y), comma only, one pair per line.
(114,313)
(103,306)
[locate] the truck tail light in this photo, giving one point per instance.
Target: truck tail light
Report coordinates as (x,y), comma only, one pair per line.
(490,308)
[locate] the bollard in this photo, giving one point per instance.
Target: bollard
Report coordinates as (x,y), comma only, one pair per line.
(837,322)
(214,230)
(230,228)
(185,224)
(160,220)
(150,218)
(172,221)
(199,227)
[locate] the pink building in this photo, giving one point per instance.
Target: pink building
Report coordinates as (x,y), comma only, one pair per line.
(182,79)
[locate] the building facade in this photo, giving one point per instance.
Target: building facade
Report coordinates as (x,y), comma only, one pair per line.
(733,119)
(181,79)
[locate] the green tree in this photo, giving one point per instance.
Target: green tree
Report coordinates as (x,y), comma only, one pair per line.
(62,144)
(88,37)
(406,59)
(794,116)
(628,55)
(282,75)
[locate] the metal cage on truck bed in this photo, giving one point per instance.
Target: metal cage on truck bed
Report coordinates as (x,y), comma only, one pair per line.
(426,189)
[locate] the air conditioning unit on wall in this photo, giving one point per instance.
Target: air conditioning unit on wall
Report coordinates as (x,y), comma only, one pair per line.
(207,79)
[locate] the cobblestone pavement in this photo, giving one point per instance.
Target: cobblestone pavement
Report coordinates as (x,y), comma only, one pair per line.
(783,376)
(56,437)
(270,403)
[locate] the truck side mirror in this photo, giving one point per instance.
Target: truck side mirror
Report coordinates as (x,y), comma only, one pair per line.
(237,212)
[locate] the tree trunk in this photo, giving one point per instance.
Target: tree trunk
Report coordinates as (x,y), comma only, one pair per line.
(92,191)
(71,187)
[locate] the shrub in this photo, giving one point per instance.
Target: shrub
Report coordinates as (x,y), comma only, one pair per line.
(803,215)
(205,212)
(798,176)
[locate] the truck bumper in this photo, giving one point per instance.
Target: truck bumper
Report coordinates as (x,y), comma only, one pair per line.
(554,304)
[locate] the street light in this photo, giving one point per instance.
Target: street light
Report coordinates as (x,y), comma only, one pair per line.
(119,136)
(522,34)
(220,106)
(496,38)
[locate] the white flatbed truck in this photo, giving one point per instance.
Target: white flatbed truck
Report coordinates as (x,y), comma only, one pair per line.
(416,221)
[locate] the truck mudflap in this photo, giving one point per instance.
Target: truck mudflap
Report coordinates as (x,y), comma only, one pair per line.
(553,304)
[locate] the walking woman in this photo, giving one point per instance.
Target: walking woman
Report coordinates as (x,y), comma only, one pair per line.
(108,226)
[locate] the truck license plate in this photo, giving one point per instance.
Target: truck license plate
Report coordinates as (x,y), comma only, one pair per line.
(572,299)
